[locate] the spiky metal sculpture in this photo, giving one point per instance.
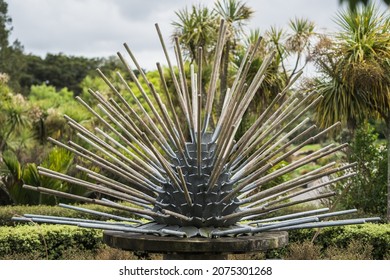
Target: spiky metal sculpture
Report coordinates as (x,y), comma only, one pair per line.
(182,175)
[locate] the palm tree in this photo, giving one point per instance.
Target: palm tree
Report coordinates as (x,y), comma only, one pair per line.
(356,71)
(272,84)
(274,80)
(196,28)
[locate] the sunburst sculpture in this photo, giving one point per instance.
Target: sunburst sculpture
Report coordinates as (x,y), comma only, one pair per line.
(187,178)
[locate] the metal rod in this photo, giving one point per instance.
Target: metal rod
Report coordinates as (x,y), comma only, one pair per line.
(252,162)
(101,163)
(257,182)
(118,228)
(136,176)
(282,188)
(184,186)
(172,72)
(99,213)
(142,91)
(185,91)
(94,201)
(312,188)
(86,220)
(214,74)
(163,162)
(111,128)
(260,210)
(302,221)
(290,216)
(325,224)
(115,184)
(94,187)
(106,165)
(176,215)
(145,168)
(158,133)
(171,106)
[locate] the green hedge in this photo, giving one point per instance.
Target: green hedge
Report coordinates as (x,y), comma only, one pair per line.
(376,235)
(51,241)
(7,212)
(47,241)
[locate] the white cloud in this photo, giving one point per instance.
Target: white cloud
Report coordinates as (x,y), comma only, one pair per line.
(99,27)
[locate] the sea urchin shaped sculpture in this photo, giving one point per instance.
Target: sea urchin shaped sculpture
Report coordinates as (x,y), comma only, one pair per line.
(186,178)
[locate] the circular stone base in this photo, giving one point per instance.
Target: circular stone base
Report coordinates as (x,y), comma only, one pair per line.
(195,248)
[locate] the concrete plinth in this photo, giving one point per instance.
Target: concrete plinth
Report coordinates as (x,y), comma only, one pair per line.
(175,248)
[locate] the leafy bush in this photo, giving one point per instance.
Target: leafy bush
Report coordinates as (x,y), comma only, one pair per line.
(47,241)
(14,175)
(56,104)
(368,191)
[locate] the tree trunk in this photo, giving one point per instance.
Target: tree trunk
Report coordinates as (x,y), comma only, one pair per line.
(388,166)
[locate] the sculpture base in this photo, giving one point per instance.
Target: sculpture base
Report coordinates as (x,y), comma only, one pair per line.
(175,248)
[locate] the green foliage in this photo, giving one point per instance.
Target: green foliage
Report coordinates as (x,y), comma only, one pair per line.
(46,96)
(368,188)
(307,250)
(15,119)
(55,105)
(12,60)
(47,241)
(57,70)
(353,4)
(12,180)
(355,67)
(5,21)
(15,175)
(196,27)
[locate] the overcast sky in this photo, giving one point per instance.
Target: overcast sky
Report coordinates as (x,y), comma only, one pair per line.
(97,28)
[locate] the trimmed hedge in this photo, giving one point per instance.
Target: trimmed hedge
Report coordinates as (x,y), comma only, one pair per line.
(47,241)
(7,212)
(52,241)
(376,235)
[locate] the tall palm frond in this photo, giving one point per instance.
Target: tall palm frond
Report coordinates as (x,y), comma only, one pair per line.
(235,13)
(356,80)
(196,27)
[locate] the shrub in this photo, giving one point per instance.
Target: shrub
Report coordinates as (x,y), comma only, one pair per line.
(305,250)
(375,235)
(46,241)
(368,190)
(354,251)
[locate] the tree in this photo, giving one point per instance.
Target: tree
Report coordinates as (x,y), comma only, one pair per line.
(196,28)
(5,21)
(356,72)
(11,56)
(369,184)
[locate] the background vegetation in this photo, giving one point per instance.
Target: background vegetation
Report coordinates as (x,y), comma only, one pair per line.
(352,73)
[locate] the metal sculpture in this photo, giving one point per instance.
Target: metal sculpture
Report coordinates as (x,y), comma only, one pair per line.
(186,178)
